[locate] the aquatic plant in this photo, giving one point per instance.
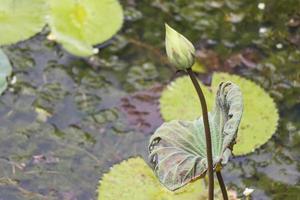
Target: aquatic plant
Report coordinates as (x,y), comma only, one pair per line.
(179,101)
(182,151)
(77,25)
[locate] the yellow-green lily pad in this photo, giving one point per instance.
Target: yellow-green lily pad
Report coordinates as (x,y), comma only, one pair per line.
(21,19)
(199,67)
(180,101)
(134,180)
(79,25)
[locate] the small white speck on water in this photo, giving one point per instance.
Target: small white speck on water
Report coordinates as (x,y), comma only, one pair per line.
(261,6)
(279,46)
(95,50)
(13,80)
(51,37)
(263,30)
(248,191)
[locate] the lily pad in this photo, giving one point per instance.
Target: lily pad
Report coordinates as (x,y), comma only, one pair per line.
(179,100)
(198,67)
(133,179)
(5,70)
(259,123)
(21,19)
(178,148)
(79,25)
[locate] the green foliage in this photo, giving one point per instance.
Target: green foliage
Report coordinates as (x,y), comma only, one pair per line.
(79,25)
(134,180)
(5,70)
(21,19)
(179,101)
(178,148)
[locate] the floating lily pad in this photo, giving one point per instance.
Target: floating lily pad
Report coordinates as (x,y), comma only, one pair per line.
(79,25)
(260,118)
(180,101)
(5,70)
(178,148)
(198,67)
(21,19)
(134,180)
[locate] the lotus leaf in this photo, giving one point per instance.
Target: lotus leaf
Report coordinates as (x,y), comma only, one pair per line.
(179,101)
(79,25)
(178,148)
(21,19)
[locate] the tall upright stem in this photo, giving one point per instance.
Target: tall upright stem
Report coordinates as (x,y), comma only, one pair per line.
(207,134)
(222,185)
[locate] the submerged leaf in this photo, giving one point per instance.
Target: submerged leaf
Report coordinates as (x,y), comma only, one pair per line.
(140,109)
(5,70)
(79,25)
(21,19)
(178,148)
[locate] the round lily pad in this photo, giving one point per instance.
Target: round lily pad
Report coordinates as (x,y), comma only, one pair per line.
(5,70)
(259,122)
(79,25)
(134,180)
(21,19)
(179,100)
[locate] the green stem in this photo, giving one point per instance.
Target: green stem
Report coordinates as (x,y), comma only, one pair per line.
(207,134)
(222,185)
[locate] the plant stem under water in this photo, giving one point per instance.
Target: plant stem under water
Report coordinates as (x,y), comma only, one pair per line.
(207,133)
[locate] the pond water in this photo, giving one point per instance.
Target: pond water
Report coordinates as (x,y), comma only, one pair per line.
(64,120)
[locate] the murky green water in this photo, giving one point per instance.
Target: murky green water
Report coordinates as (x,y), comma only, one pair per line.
(64,121)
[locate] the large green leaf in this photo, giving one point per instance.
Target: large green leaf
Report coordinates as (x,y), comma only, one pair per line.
(178,148)
(21,19)
(134,180)
(179,101)
(79,25)
(5,70)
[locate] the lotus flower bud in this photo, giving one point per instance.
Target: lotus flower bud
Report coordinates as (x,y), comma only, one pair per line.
(180,50)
